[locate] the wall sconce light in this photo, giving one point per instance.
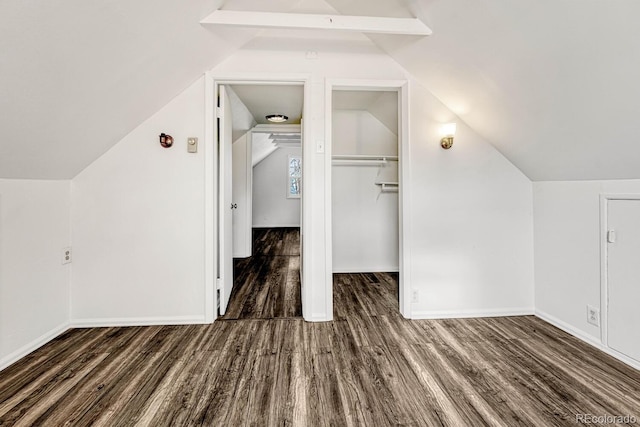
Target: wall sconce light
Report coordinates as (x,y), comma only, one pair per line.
(448,131)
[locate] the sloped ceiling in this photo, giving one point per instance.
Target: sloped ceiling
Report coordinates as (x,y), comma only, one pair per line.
(256,101)
(262,100)
(76,76)
(553,84)
(383,105)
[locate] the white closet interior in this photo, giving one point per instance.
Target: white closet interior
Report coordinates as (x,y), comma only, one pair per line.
(364,175)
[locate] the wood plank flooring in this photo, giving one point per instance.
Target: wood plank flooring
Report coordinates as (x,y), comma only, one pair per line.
(267,284)
(369,367)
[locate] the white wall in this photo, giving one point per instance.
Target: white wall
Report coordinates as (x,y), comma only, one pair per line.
(138,224)
(567,250)
(34,285)
(137,216)
(471,210)
(364,220)
(271,207)
(472,227)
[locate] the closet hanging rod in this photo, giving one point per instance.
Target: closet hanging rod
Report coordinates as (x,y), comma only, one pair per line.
(341,162)
(368,157)
(388,188)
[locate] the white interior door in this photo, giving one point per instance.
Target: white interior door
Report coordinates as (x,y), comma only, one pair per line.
(623,282)
(242,180)
(225,143)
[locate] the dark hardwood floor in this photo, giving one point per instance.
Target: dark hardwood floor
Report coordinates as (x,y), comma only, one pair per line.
(267,284)
(369,367)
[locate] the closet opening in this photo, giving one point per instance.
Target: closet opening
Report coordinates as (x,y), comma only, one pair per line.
(367,132)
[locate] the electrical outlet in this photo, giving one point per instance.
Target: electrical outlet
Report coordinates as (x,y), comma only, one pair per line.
(414,296)
(66,255)
(593,316)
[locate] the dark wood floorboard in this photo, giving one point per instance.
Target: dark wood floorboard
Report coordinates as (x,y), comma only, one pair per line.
(266,285)
(369,367)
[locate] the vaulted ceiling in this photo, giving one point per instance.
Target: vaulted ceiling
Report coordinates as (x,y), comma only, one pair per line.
(552,84)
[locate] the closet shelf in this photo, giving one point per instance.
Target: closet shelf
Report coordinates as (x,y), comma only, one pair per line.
(362,159)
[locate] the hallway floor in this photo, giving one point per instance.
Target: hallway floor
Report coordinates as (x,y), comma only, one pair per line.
(267,284)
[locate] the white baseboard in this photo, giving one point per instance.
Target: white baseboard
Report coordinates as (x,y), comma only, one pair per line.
(589,339)
(376,269)
(277,226)
(137,321)
(465,314)
(33,345)
(95,323)
(318,317)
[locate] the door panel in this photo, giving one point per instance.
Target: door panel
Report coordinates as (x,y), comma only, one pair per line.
(623,282)
(242,197)
(225,199)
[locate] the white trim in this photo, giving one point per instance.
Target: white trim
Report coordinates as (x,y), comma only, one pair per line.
(306,21)
(589,339)
(318,317)
(306,213)
(43,339)
(277,226)
(248,225)
(137,321)
(604,271)
(467,314)
(328,209)
(376,269)
(404,202)
(210,212)
(272,79)
(621,196)
(212,81)
(404,180)
(367,84)
(604,265)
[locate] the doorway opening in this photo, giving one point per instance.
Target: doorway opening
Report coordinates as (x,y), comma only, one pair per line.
(259,194)
(368,133)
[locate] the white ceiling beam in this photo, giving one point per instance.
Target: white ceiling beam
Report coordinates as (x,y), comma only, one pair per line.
(363,24)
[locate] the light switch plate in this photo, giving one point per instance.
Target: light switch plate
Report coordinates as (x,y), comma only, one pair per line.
(192,145)
(319,146)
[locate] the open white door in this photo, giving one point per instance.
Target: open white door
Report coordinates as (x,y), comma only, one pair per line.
(225,204)
(242,176)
